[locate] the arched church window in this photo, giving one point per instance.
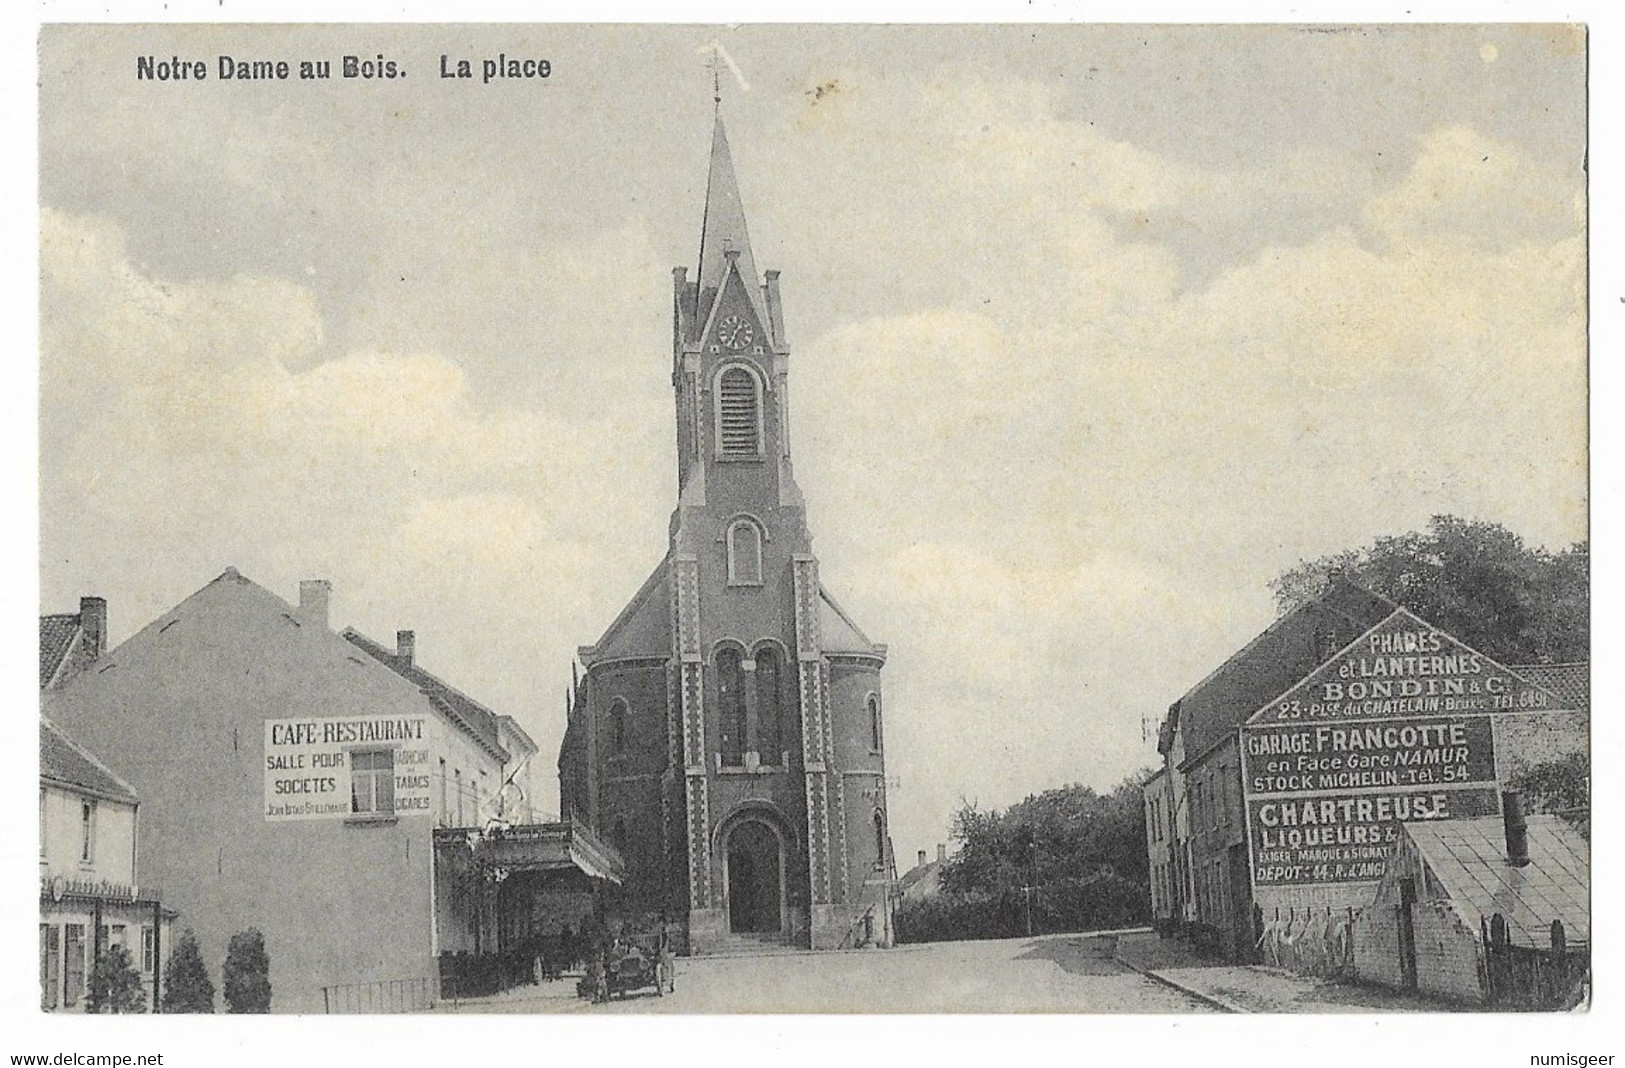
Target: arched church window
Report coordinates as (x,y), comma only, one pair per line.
(739,413)
(768,707)
(731,705)
(880,838)
(617,726)
(744,554)
(874,724)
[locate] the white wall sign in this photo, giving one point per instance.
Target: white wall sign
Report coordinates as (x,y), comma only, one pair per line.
(337,768)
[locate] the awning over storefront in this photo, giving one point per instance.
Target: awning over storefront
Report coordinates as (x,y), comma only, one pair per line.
(531,847)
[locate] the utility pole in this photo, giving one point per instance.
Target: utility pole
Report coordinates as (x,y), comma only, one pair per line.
(1032,876)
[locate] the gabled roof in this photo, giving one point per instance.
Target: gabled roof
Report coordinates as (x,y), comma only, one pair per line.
(1391,646)
(522,736)
(1278,658)
(922,881)
(837,632)
(57,635)
(1570,683)
(63,762)
(1468,858)
(480,722)
(644,626)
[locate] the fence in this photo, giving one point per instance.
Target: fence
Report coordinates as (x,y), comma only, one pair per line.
(384,996)
(1528,977)
(1311,941)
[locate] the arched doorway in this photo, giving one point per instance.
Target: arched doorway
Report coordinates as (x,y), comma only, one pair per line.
(755,879)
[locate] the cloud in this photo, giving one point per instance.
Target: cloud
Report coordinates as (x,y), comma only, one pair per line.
(1471,189)
(179,436)
(1061,404)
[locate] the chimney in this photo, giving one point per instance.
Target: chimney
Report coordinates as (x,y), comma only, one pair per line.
(921,862)
(942,852)
(406,646)
(93,621)
(1517,828)
(314,595)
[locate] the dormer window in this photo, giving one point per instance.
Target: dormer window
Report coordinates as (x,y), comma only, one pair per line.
(739,412)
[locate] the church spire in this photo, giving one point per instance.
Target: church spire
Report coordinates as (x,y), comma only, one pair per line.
(724,228)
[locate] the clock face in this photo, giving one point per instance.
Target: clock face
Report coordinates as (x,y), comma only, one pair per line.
(735,332)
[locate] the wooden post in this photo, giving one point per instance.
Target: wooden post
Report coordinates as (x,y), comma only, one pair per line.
(96,948)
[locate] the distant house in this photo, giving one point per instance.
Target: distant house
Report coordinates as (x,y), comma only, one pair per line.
(89,896)
(1159,838)
(1445,886)
(924,880)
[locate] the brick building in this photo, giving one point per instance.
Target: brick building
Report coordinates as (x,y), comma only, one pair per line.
(727,733)
(1292,767)
(1211,890)
(1444,886)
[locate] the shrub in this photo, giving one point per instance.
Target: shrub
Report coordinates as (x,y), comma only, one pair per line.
(187,987)
(1100,902)
(247,974)
(115,985)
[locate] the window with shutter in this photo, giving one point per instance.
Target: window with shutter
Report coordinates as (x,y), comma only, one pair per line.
(739,414)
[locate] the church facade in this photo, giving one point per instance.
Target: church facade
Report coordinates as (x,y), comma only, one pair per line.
(727,731)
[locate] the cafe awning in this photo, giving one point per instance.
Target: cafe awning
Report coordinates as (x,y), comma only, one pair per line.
(532,847)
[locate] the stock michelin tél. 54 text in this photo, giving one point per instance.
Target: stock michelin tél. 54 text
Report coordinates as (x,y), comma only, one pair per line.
(235,68)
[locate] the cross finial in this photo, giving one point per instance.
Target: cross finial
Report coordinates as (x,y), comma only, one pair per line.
(716,79)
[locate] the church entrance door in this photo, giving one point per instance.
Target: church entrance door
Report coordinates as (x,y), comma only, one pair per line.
(755,883)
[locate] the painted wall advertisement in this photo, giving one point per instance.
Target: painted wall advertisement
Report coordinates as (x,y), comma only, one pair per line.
(1325,801)
(344,767)
(1404,667)
(1394,729)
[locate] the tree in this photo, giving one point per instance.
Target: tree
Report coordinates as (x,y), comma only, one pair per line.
(247,974)
(1071,858)
(115,985)
(187,987)
(1561,787)
(1473,579)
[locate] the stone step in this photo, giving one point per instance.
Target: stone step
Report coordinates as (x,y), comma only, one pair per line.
(751,945)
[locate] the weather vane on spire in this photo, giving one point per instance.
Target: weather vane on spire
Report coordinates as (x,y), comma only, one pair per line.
(719,56)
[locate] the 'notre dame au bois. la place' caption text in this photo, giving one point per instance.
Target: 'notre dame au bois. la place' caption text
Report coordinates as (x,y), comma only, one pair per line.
(378,67)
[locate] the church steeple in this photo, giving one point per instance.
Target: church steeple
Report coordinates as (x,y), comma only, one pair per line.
(723,231)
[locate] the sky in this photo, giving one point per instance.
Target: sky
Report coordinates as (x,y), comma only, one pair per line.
(1095,331)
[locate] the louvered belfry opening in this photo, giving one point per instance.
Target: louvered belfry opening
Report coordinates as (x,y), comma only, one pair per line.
(740,427)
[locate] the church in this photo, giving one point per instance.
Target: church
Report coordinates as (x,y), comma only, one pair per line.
(726,734)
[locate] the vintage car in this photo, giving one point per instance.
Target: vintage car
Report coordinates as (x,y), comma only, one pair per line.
(631,962)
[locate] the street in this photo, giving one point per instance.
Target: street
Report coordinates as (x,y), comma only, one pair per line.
(1054,973)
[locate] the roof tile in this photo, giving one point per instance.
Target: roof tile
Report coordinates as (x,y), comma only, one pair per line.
(63,761)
